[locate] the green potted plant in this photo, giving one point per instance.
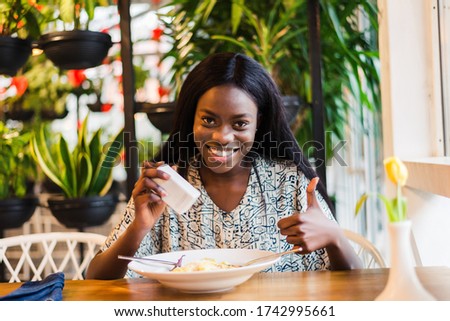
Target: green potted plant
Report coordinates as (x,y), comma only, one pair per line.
(275,33)
(270,45)
(21,22)
(76,47)
(39,90)
(17,203)
(83,174)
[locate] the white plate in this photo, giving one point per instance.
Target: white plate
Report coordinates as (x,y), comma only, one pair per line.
(204,281)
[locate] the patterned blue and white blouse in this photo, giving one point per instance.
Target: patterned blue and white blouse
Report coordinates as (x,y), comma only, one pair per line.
(275,190)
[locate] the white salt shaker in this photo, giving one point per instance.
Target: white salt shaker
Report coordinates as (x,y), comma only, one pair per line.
(180,194)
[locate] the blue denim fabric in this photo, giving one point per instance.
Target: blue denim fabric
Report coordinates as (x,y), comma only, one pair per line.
(49,289)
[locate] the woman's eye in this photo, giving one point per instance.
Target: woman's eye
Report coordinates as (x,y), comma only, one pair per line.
(241,124)
(208,120)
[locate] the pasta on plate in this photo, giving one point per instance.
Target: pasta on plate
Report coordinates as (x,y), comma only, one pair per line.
(206,264)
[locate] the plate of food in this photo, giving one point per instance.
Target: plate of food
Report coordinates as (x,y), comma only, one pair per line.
(203,271)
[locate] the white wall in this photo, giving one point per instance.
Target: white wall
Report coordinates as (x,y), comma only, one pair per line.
(412,121)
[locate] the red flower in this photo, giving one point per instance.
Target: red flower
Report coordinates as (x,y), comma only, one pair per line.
(76,77)
(21,84)
(33,3)
(106,107)
(156,33)
(162,91)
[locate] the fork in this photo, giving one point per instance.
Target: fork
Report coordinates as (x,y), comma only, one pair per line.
(147,259)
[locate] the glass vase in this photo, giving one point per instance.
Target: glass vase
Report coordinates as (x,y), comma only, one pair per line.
(403,283)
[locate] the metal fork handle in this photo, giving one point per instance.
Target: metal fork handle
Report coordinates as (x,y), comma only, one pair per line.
(272,256)
(146,259)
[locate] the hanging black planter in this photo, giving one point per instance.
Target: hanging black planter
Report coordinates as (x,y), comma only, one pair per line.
(14,52)
(48,114)
(160,115)
(84,211)
(76,49)
(19,114)
(14,212)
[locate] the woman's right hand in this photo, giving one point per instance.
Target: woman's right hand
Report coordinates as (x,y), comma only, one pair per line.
(147,196)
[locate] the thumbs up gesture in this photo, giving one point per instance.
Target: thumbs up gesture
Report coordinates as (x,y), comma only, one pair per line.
(310,230)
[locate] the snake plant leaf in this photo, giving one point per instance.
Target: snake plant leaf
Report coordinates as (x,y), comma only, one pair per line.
(67,11)
(95,148)
(82,134)
(89,6)
(41,153)
(84,174)
(102,174)
(68,171)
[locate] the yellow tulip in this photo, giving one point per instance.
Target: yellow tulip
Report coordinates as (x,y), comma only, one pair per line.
(396,170)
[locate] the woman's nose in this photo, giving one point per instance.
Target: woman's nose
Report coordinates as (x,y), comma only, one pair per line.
(223,135)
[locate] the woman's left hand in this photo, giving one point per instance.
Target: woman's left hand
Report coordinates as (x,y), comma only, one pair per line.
(310,230)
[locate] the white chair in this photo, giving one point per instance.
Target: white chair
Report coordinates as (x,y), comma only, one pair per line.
(33,256)
(366,251)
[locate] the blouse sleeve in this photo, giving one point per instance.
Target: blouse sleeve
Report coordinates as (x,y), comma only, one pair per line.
(150,244)
(126,220)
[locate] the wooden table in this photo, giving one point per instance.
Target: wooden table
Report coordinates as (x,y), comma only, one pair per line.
(356,285)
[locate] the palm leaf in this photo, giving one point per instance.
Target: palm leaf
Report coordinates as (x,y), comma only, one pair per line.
(237,9)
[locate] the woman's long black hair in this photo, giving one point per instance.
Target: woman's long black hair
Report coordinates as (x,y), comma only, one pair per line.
(274,138)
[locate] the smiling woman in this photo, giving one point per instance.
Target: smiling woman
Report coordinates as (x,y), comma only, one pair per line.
(232,143)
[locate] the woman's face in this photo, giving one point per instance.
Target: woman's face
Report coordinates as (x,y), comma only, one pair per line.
(224,127)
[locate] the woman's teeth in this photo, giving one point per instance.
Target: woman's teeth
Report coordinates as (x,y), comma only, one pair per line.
(221,152)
